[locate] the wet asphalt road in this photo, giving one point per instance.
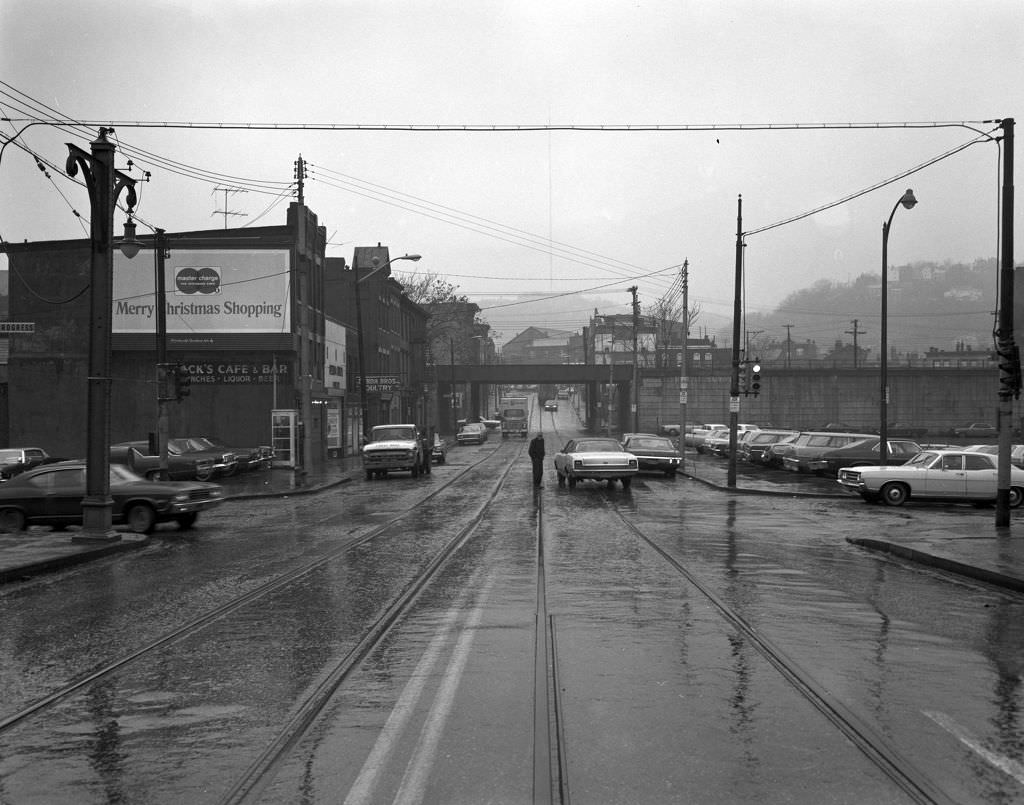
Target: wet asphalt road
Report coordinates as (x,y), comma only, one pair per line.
(644,691)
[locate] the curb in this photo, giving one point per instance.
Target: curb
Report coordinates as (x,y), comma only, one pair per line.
(949,565)
(301,490)
(769,492)
(69,560)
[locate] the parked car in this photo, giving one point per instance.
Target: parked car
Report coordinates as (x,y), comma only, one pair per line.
(472,433)
(225,462)
(491,424)
(15,460)
(439,450)
(248,458)
(754,447)
(716,443)
(180,466)
(865,452)
(806,455)
(949,475)
(598,459)
(694,437)
(551,405)
(52,494)
(974,429)
(654,453)
(775,453)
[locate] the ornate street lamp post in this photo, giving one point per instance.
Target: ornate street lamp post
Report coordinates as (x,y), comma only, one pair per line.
(104,184)
(908,201)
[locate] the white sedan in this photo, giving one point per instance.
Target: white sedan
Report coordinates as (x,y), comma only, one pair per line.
(949,475)
(599,459)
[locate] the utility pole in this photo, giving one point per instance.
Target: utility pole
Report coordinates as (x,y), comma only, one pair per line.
(789,343)
(300,179)
(226,212)
(855,332)
(636,355)
(1006,346)
(684,380)
(737,311)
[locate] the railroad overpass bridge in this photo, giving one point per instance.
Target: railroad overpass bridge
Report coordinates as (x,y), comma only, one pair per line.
(489,381)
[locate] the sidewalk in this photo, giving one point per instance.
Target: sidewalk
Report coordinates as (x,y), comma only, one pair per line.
(992,555)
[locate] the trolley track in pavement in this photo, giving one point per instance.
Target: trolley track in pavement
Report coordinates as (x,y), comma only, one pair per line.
(866,738)
(261,772)
(197,624)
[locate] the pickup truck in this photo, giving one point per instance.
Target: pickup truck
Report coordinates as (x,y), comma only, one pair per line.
(393,448)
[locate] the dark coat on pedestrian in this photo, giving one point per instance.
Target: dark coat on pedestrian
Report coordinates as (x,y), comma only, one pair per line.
(536,450)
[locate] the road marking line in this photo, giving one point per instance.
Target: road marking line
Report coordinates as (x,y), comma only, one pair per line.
(1001,762)
(414,782)
(363,790)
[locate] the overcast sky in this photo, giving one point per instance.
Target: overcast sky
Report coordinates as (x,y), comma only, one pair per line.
(511,213)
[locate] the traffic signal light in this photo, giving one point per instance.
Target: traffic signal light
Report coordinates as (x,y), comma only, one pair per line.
(182,381)
(755,378)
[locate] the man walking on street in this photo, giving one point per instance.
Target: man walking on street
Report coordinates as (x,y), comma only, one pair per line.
(537,457)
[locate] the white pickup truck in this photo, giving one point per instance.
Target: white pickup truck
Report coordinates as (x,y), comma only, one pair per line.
(393,448)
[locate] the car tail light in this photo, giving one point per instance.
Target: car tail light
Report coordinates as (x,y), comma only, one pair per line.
(632,463)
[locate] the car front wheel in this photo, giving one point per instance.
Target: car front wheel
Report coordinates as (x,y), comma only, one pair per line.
(895,494)
(1016,497)
(12,520)
(141,518)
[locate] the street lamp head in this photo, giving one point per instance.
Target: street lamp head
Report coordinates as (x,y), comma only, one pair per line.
(129,244)
(908,201)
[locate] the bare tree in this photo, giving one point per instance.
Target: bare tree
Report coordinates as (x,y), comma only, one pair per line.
(666,314)
(427,288)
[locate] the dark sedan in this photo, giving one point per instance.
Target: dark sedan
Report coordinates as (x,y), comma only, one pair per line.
(225,462)
(249,458)
(865,453)
(654,453)
(52,495)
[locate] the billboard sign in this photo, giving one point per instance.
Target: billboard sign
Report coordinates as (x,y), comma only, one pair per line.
(207,291)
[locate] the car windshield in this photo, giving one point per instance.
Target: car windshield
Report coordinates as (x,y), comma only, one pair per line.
(392,434)
(922,459)
(472,427)
(651,444)
(514,412)
(202,443)
(597,446)
(119,473)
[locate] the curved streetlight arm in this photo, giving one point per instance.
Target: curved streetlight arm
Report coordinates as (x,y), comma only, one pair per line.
(907,201)
(376,268)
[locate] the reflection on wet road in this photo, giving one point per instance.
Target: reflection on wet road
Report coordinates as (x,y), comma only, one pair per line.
(640,690)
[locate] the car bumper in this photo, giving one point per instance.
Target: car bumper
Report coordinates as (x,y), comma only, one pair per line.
(658,462)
